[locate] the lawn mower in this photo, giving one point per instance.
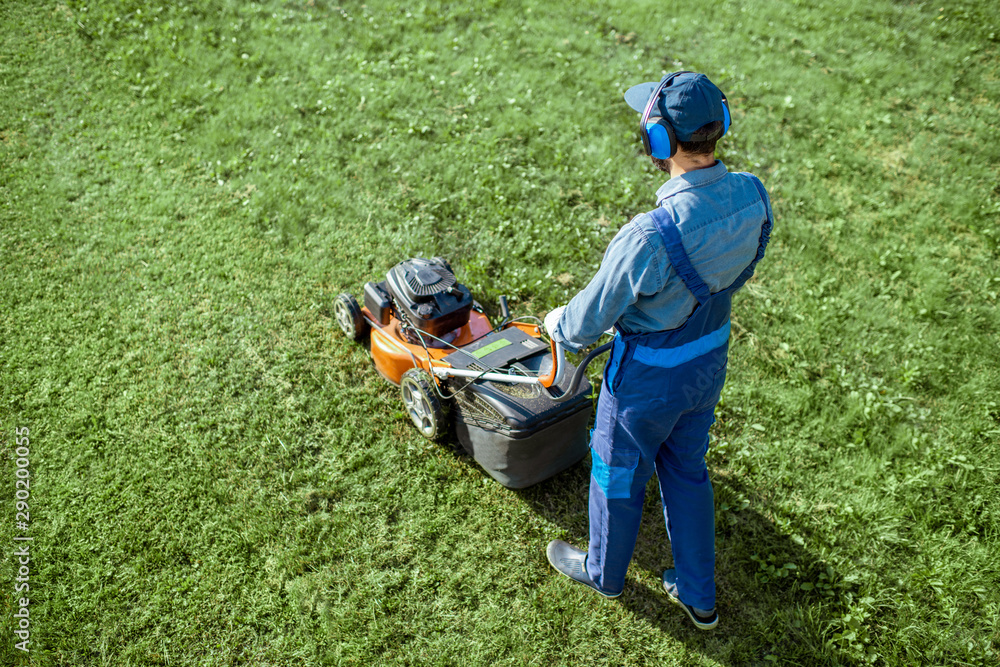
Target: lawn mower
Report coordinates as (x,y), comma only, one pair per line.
(518,407)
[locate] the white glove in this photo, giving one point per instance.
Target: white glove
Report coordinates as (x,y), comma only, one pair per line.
(552,319)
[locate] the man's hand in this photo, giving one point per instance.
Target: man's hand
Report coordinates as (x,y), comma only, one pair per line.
(552,319)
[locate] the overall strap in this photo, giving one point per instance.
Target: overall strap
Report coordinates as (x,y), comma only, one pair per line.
(667,228)
(765,236)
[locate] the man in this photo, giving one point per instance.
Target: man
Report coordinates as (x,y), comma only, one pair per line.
(665,283)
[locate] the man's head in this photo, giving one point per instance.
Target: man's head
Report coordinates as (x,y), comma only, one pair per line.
(684,111)
(701,148)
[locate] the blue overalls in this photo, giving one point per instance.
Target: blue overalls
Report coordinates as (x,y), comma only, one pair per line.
(656,405)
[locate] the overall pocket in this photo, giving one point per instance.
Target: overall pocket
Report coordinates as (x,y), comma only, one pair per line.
(613,367)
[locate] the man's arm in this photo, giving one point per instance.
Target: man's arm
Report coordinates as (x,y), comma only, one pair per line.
(629,268)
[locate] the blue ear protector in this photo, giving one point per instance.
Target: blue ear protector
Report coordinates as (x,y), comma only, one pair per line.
(658,138)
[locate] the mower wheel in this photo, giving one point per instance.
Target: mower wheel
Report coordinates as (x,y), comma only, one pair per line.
(422,403)
(347,312)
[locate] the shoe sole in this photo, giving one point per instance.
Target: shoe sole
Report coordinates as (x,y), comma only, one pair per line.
(596,590)
(701,625)
(610,597)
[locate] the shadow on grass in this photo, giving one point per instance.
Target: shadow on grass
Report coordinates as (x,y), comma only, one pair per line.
(762,612)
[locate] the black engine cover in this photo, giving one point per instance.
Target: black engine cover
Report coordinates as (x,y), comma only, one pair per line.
(426,293)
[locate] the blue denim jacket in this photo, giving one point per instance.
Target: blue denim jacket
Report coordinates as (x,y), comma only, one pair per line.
(719,214)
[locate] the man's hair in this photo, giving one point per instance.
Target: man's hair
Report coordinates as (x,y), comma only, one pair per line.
(703,139)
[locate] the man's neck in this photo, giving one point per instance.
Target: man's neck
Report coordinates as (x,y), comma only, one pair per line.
(681,163)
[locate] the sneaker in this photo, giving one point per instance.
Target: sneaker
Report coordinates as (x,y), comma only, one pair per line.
(572,562)
(703,620)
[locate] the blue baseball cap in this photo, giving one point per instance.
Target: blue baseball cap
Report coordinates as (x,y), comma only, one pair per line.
(689,101)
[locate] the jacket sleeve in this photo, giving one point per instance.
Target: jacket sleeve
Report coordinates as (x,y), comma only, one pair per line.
(629,268)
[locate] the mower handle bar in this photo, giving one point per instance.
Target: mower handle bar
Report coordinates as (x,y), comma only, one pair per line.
(554,376)
(580,370)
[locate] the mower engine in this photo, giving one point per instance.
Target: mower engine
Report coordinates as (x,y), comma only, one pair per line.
(425,294)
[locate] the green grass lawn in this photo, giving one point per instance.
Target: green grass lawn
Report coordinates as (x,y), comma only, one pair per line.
(219,478)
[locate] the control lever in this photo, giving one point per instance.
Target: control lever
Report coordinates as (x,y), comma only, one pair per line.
(558,358)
